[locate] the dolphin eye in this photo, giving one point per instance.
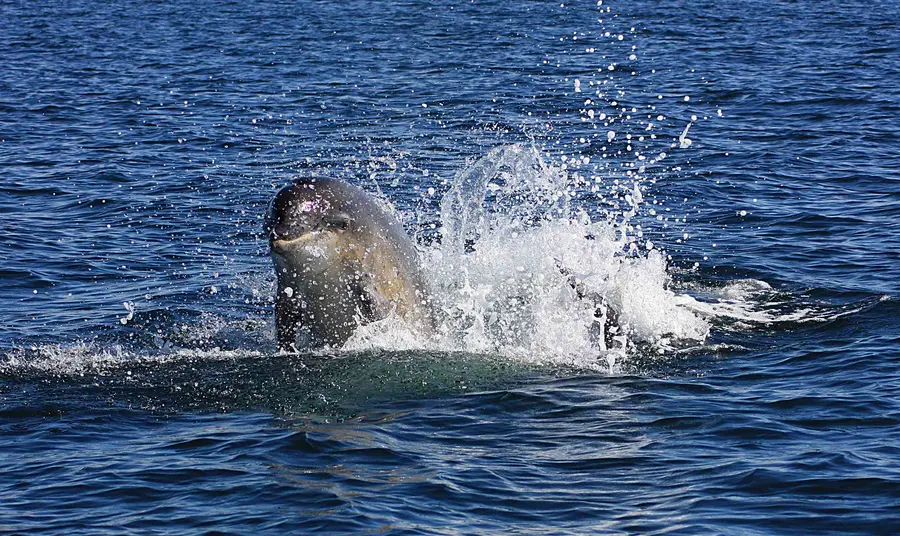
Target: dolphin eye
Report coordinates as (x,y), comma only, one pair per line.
(339,221)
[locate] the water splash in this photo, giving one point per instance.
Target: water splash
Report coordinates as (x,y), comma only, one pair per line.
(522,273)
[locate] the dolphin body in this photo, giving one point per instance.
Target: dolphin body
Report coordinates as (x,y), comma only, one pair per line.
(342,260)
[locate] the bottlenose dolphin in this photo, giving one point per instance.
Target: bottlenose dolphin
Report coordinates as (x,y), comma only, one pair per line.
(341,260)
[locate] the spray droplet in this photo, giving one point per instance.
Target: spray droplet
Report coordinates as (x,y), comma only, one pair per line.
(683,141)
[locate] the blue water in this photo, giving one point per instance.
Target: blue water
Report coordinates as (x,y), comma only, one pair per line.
(140,143)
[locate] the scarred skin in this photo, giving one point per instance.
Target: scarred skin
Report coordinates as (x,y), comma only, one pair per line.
(341,261)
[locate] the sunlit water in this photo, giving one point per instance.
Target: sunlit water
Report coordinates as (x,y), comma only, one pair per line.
(722,177)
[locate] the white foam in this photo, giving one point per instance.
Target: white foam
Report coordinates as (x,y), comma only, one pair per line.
(82,358)
(749,303)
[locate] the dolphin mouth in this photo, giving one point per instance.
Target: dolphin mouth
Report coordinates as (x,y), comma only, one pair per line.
(282,242)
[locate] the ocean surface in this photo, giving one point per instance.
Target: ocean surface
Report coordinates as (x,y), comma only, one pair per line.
(724,175)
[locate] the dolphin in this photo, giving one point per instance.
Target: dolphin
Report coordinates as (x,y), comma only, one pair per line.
(342,260)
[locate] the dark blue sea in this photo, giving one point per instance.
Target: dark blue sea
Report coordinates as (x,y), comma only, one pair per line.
(726,175)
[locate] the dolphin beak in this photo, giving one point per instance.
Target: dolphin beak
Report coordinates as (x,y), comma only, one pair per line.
(283,242)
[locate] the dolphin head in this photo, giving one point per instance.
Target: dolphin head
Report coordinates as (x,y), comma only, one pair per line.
(308,226)
(306,210)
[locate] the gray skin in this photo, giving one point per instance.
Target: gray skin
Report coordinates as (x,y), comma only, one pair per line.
(341,261)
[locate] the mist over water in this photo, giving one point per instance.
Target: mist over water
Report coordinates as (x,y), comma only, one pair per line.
(716,183)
